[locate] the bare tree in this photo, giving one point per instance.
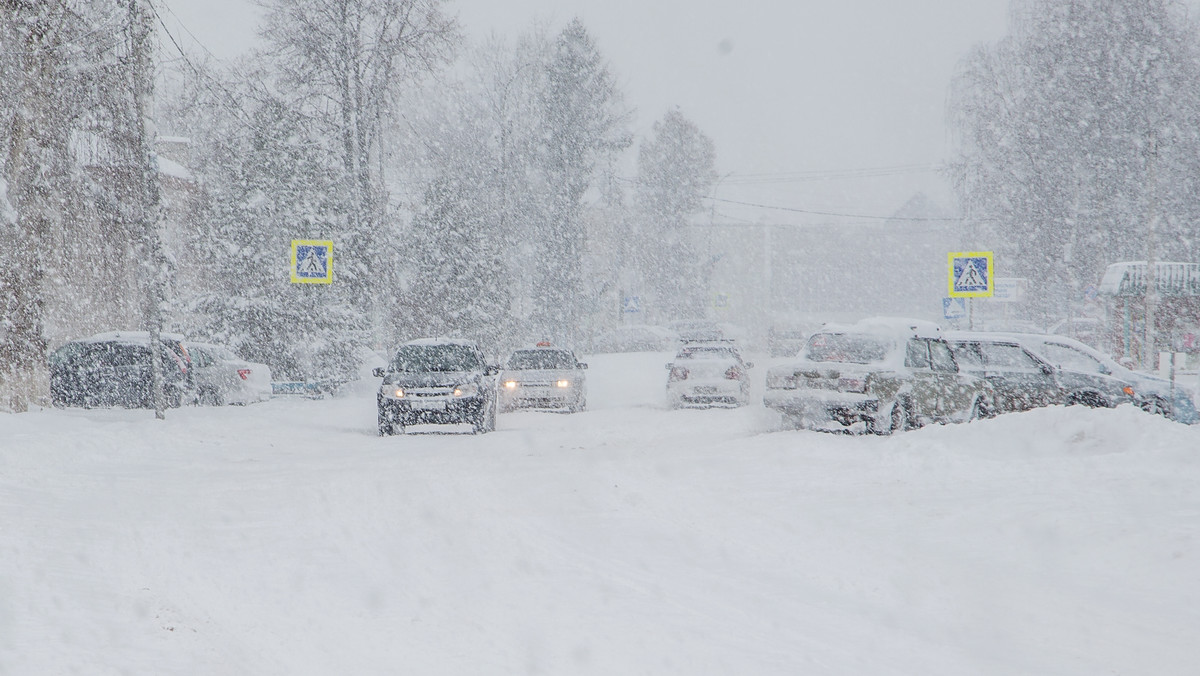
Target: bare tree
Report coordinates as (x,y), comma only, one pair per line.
(343,62)
(1062,126)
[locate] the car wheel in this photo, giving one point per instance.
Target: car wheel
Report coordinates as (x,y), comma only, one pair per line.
(485,422)
(980,409)
(1157,406)
(1089,399)
(897,420)
(386,425)
(791,421)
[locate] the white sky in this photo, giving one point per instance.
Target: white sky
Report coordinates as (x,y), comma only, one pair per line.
(781,86)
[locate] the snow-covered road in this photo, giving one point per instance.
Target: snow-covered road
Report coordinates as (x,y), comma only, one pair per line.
(286,538)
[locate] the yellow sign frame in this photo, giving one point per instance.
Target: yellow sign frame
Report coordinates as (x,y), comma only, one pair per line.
(301,277)
(989,274)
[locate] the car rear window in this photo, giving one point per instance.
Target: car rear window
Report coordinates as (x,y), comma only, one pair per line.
(847,347)
(541,359)
(707,353)
(424,358)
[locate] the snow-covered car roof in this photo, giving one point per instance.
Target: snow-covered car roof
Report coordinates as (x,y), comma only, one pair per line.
(442,341)
(130,337)
(891,327)
(979,336)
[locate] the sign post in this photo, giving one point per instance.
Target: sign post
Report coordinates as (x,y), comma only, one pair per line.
(972,274)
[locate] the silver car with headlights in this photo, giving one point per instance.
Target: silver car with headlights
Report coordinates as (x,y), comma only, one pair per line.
(543,377)
(437,381)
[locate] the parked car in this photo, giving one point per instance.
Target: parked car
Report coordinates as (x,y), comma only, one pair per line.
(1152,393)
(1019,380)
(785,340)
(543,377)
(708,374)
(706,330)
(224,378)
(437,381)
(880,376)
(114,369)
(635,338)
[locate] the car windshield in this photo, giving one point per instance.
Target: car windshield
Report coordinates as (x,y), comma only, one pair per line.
(118,354)
(422,358)
(845,347)
(707,352)
(541,359)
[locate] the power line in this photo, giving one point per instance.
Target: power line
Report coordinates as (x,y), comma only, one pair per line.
(831,213)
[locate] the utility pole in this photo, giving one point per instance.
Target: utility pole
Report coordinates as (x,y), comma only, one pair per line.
(1149,352)
(145,175)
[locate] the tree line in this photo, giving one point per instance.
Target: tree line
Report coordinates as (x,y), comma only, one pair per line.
(469,189)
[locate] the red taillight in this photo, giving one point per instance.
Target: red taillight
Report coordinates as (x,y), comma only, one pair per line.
(678,373)
(734,373)
(244,373)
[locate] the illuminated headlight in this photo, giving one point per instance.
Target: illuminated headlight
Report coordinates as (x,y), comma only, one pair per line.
(467,390)
(510,384)
(393,391)
(563,383)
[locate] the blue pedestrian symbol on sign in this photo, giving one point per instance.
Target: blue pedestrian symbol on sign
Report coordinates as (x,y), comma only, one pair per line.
(631,304)
(312,261)
(971,274)
(954,308)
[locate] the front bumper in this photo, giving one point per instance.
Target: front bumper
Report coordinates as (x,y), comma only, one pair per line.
(432,410)
(822,405)
(539,396)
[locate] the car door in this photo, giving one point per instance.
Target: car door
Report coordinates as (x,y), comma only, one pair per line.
(1022,381)
(1080,372)
(924,386)
(955,392)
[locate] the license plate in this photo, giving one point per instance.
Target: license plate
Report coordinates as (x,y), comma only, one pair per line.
(429,405)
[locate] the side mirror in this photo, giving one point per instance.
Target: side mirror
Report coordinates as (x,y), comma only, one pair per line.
(581,366)
(378,372)
(491,370)
(1047,369)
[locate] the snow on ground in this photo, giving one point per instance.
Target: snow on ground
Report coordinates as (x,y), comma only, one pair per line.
(286,538)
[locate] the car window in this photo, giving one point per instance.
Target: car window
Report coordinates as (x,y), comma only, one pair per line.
(201,357)
(116,354)
(845,347)
(968,354)
(65,353)
(541,359)
(916,354)
(423,358)
(708,352)
(1008,357)
(224,353)
(942,358)
(1071,359)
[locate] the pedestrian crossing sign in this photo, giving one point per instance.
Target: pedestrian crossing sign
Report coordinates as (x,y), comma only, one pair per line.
(972,274)
(312,261)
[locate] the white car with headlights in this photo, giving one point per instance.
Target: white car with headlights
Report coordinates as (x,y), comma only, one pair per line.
(543,377)
(708,374)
